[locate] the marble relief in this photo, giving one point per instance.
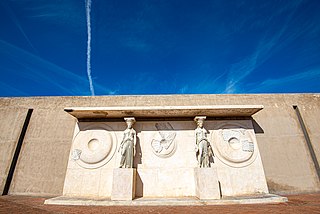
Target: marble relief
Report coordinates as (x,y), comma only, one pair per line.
(94,146)
(128,144)
(234,144)
(163,144)
(203,147)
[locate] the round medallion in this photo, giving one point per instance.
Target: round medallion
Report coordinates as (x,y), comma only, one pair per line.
(234,145)
(163,143)
(94,146)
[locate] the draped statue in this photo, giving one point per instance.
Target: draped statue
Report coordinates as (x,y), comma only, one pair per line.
(203,147)
(128,144)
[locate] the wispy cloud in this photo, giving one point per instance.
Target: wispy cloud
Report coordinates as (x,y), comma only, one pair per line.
(184,89)
(10,90)
(210,83)
(136,44)
(144,81)
(18,25)
(240,70)
(206,79)
(64,13)
(268,45)
(45,72)
(279,82)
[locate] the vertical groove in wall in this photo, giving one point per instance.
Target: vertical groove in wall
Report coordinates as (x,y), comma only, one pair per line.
(309,144)
(16,153)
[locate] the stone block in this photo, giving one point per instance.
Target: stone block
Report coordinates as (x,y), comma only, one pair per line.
(206,183)
(124,184)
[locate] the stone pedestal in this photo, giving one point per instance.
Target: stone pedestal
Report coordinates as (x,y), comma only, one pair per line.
(206,183)
(124,184)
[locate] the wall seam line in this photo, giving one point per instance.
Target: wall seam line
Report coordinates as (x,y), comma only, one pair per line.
(16,153)
(308,141)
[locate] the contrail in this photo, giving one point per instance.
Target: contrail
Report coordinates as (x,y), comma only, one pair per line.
(88,10)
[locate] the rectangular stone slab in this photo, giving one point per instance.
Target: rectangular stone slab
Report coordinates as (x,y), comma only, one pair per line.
(123,184)
(207,185)
(164,111)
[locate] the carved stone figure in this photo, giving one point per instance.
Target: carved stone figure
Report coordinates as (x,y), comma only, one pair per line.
(164,145)
(75,155)
(203,148)
(128,144)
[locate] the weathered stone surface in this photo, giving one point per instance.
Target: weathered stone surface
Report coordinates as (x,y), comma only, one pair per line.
(164,111)
(41,167)
(173,175)
(44,155)
(207,184)
(11,124)
(123,184)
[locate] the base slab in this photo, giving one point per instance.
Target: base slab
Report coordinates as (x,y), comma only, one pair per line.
(124,184)
(188,201)
(207,184)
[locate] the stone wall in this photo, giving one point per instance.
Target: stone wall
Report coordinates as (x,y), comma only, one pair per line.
(42,163)
(12,120)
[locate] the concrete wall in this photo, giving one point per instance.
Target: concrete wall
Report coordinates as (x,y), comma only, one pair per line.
(43,160)
(287,162)
(12,120)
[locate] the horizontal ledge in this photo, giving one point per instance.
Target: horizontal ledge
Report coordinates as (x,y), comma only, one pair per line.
(163,111)
(180,201)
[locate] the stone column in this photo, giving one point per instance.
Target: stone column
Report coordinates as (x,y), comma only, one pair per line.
(206,183)
(124,184)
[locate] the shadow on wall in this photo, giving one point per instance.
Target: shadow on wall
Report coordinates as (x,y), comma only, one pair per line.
(138,160)
(172,125)
(139,186)
(257,128)
(138,156)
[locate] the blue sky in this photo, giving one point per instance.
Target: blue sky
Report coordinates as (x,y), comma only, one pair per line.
(159,47)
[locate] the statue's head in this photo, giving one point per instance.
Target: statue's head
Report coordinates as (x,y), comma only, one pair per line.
(199,120)
(130,121)
(200,123)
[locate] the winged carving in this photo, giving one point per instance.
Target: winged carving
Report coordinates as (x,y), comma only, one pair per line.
(167,136)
